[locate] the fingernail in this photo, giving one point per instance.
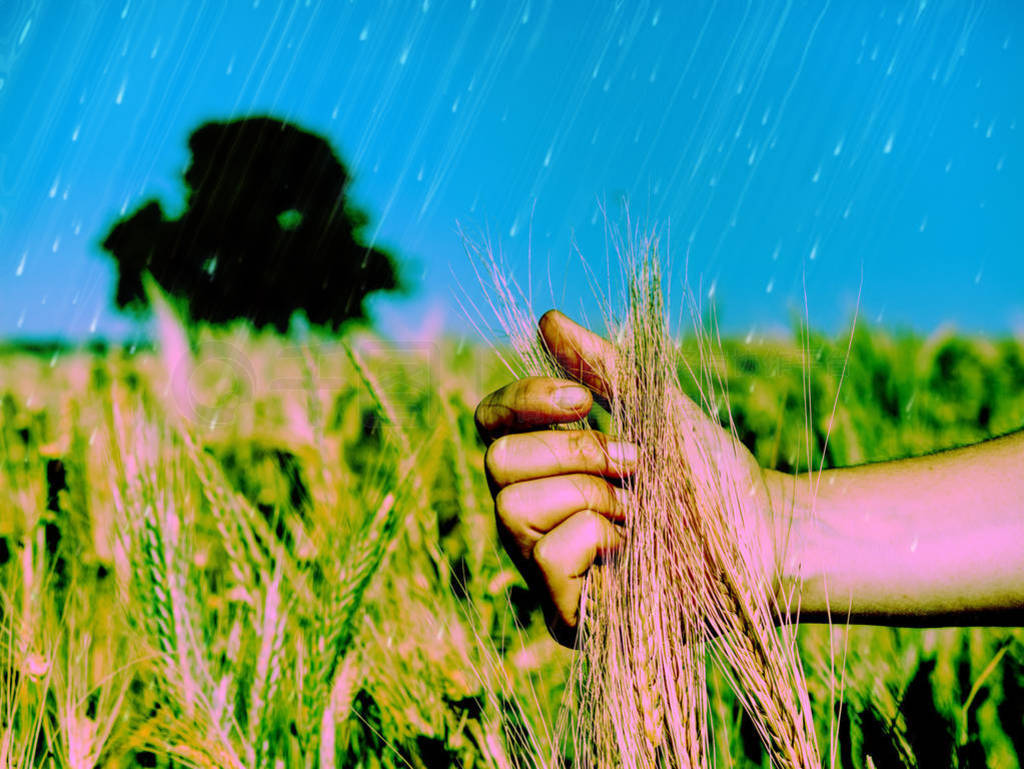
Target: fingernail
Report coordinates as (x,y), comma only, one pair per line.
(571,397)
(622,453)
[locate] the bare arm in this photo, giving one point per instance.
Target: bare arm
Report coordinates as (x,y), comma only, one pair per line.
(934,540)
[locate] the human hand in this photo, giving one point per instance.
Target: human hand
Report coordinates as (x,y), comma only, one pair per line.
(557,499)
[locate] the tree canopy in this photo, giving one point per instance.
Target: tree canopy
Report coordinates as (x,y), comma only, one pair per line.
(267,230)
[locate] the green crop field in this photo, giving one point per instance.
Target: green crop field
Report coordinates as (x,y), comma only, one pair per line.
(284,555)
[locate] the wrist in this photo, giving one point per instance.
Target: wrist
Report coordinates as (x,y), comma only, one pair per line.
(798,545)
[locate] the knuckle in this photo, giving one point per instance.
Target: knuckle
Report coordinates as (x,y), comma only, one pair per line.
(496,457)
(504,505)
(597,493)
(543,555)
(479,417)
(590,527)
(588,448)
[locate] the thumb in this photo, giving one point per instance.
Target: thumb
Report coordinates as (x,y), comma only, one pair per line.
(585,356)
(592,360)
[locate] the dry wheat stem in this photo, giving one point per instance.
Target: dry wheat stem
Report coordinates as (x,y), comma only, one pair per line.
(688,579)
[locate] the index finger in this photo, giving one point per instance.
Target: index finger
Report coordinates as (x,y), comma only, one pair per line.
(530,403)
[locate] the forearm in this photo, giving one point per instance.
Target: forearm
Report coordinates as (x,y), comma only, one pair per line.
(934,540)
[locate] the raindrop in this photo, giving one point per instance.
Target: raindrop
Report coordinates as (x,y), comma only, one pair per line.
(977,277)
(54,186)
(838,148)
(231,66)
(991,127)
(526,13)
(924,223)
(814,251)
(74,135)
(547,157)
(514,229)
(419,176)
(750,158)
(156,49)
(404,56)
(888,144)
(713,288)
(657,17)
(455,105)
(21,265)
(770,286)
(426,5)
(949,165)
(365,33)
(120,93)
(24,32)
(764,117)
(95,321)
(78,228)
(817,175)
(999,163)
(124,11)
(775,253)
(56,244)
(21,319)
(334,112)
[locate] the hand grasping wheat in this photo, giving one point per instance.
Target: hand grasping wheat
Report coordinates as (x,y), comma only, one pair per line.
(558,496)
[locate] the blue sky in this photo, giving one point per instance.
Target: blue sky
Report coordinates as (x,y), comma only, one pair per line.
(781,147)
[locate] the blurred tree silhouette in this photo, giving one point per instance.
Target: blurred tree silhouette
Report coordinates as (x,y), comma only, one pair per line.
(267,231)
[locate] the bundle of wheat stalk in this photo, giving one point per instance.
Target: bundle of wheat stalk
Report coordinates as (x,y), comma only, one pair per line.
(696,576)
